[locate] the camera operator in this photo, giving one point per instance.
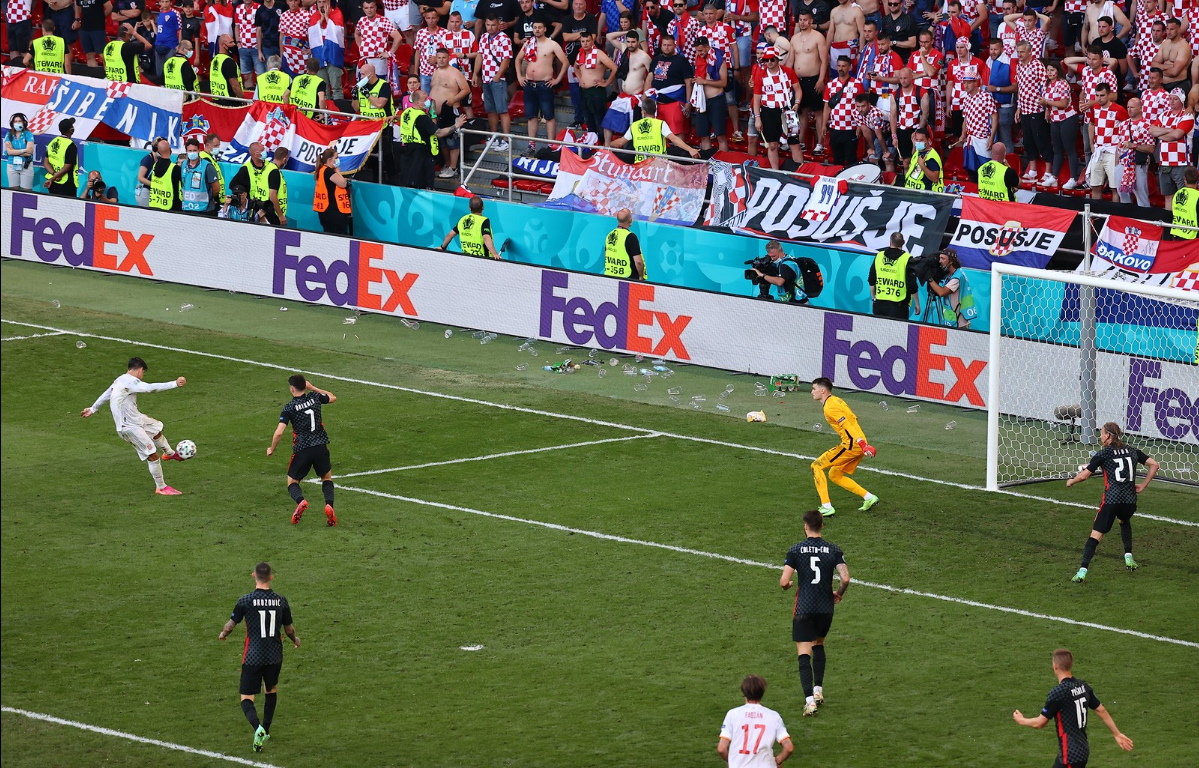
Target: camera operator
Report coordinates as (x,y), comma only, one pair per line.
(239,208)
(779,272)
(98,190)
(950,299)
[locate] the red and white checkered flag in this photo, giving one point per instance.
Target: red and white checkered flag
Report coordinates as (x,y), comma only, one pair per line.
(274,130)
(1187,280)
(117,90)
(1132,240)
(42,120)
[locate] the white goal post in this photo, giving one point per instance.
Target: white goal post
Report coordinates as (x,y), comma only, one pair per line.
(1070,352)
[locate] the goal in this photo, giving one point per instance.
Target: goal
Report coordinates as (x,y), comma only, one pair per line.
(1070,352)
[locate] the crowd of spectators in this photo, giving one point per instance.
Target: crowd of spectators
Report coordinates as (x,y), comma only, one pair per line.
(1086,93)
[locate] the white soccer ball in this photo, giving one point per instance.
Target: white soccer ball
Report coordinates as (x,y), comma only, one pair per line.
(186,449)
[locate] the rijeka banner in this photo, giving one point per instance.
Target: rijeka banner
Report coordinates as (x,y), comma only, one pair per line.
(870,354)
(654,190)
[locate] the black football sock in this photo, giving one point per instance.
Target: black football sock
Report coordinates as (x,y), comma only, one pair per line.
(1088,552)
(1126,536)
(805,673)
(818,664)
(247,706)
(268,711)
(327,488)
(297,495)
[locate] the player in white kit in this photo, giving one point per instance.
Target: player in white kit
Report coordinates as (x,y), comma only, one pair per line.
(136,428)
(749,732)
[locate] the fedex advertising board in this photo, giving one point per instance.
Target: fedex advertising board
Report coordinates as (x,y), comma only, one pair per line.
(945,365)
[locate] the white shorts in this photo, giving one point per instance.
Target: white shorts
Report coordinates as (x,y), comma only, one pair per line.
(402,16)
(1103,168)
(141,437)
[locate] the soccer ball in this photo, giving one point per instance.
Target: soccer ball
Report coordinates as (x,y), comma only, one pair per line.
(186,449)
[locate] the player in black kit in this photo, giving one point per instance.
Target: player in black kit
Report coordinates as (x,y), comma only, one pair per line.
(265,612)
(1118,462)
(309,444)
(1067,706)
(813,561)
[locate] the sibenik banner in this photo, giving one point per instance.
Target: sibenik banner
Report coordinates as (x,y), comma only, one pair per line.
(861,217)
(859,352)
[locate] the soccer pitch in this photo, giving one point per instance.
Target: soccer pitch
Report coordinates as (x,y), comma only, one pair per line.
(615,554)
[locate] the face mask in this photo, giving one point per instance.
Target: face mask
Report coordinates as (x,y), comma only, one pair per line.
(918,145)
(428,104)
(18,126)
(336,163)
(189,55)
(193,155)
(363,82)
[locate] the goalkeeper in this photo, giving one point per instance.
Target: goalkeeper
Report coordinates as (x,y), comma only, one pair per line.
(841,460)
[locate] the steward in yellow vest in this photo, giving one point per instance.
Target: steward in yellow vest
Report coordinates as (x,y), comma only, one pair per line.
(892,282)
(308,90)
(50,52)
(1186,207)
(273,85)
(166,182)
(474,232)
(224,75)
(649,134)
(62,160)
(120,56)
(177,71)
(924,158)
(992,181)
(622,250)
(264,184)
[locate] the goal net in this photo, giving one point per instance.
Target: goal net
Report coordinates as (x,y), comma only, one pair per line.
(1070,352)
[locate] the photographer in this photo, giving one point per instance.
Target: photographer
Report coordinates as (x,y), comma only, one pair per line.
(98,190)
(779,272)
(239,208)
(950,300)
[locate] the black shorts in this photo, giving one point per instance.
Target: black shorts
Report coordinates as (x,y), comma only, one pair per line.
(809,627)
(772,124)
(20,35)
(1108,514)
(810,97)
(310,459)
(1057,763)
(257,677)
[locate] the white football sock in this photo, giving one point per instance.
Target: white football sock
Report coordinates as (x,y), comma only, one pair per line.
(156,472)
(162,443)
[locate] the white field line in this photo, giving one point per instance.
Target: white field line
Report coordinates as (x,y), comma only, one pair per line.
(599,422)
(490,456)
(772,566)
(32,336)
(138,739)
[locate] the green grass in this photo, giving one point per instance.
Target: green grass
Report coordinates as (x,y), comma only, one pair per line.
(597,652)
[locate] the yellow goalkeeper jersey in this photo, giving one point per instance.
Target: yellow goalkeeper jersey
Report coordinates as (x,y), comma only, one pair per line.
(842,419)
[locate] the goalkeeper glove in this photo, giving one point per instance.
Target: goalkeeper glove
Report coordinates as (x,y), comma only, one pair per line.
(867,450)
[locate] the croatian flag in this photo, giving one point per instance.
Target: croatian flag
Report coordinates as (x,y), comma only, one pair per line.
(282,125)
(1133,251)
(327,38)
(994,230)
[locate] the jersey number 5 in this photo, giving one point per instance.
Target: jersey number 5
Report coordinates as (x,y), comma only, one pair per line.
(311,419)
(814,562)
(1125,470)
(268,629)
(761,729)
(1080,712)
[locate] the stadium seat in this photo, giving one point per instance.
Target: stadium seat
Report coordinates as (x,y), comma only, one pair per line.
(516,106)
(527,185)
(546,188)
(500,183)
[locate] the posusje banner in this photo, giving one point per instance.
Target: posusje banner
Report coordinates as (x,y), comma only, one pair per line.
(1013,233)
(751,200)
(655,189)
(140,111)
(283,125)
(931,363)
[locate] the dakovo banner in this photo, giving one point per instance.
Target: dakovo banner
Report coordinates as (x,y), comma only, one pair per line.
(283,125)
(1013,233)
(747,199)
(1133,251)
(655,189)
(140,111)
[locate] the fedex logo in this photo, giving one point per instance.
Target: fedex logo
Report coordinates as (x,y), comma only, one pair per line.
(97,241)
(868,366)
(353,281)
(1175,414)
(611,325)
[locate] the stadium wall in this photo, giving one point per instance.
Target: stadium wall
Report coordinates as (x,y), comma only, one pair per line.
(1156,398)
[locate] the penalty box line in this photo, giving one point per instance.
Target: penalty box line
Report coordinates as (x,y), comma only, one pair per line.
(585,420)
(33,336)
(760,564)
(490,456)
(138,739)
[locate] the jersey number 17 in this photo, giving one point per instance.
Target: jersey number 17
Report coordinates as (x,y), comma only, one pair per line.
(268,629)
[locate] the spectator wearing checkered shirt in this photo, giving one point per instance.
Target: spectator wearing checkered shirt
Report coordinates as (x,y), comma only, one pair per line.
(1029,74)
(980,120)
(909,112)
(1063,125)
(246,33)
(840,115)
(955,70)
(428,39)
(1155,100)
(1104,128)
(685,28)
(377,38)
(872,124)
(495,57)
(293,38)
(1141,56)
(1092,71)
(1136,149)
(775,89)
(1171,130)
(18,17)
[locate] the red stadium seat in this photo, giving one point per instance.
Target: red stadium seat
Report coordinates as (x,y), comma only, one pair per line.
(527,185)
(516,105)
(546,188)
(499,183)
